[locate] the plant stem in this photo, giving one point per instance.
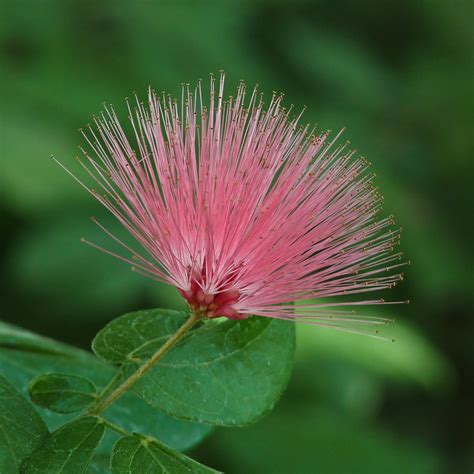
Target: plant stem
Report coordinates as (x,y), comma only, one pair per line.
(114,427)
(114,380)
(102,404)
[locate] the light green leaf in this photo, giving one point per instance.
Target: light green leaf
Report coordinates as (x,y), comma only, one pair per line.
(62,393)
(24,355)
(21,428)
(70,449)
(410,359)
(136,454)
(227,373)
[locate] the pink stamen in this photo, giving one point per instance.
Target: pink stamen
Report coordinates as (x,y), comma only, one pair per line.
(242,209)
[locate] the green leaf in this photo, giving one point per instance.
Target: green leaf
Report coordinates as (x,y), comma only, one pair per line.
(410,359)
(70,449)
(24,355)
(136,454)
(134,414)
(227,373)
(12,337)
(21,428)
(100,464)
(137,330)
(62,393)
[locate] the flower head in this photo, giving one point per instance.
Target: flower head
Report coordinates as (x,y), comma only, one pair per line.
(243,209)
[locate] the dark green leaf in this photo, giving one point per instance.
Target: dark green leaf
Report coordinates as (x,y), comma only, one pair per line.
(134,414)
(24,355)
(62,393)
(70,449)
(136,455)
(21,428)
(224,372)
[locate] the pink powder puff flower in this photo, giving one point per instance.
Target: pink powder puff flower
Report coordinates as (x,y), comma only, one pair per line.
(243,210)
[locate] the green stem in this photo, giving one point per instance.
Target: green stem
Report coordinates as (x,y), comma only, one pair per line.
(114,380)
(114,427)
(103,403)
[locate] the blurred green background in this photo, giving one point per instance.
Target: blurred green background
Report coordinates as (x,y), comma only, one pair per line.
(397,74)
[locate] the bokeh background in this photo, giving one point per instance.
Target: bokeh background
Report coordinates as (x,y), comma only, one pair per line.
(398,74)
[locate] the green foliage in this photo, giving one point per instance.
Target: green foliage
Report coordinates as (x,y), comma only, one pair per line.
(122,337)
(221,372)
(62,393)
(406,100)
(411,358)
(70,449)
(226,373)
(21,429)
(14,338)
(136,454)
(24,355)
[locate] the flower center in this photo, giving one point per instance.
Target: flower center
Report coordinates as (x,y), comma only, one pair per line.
(212,305)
